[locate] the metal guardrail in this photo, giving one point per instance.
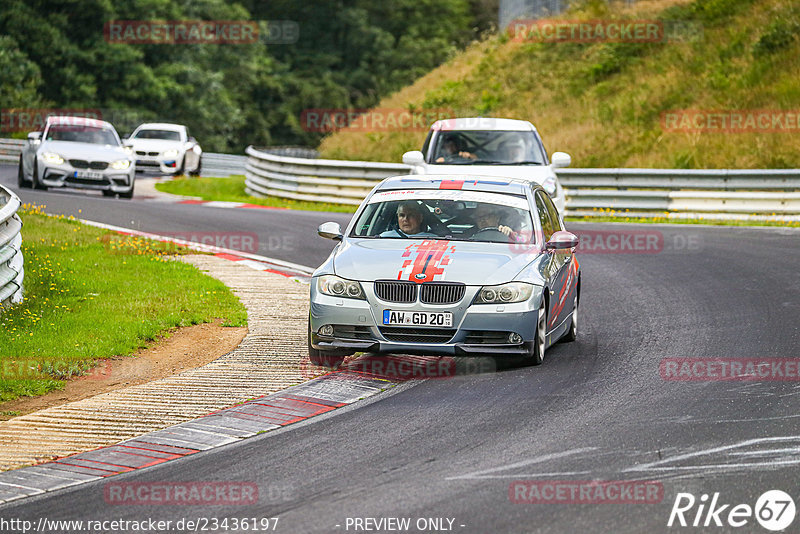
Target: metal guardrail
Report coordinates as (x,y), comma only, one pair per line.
(734,194)
(339,182)
(224,165)
(675,193)
(11,265)
(722,193)
(10,149)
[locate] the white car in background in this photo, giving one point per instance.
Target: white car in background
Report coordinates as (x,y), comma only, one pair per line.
(490,147)
(77,152)
(167,147)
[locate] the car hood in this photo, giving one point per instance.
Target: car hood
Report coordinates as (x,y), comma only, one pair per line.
(154,145)
(87,151)
(431,260)
(535,173)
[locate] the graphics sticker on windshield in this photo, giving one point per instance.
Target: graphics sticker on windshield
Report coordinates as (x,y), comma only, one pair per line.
(428,263)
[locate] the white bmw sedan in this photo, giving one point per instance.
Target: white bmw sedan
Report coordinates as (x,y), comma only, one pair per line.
(167,147)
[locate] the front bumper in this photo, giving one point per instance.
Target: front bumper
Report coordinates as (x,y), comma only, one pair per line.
(478,329)
(65,175)
(157,161)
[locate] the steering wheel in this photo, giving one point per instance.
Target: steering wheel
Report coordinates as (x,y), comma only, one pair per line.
(490,231)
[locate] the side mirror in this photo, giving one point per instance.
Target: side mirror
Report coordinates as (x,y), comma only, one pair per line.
(35,137)
(561,240)
(413,158)
(330,230)
(560,159)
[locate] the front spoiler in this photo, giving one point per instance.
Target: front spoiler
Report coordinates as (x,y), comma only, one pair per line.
(443,349)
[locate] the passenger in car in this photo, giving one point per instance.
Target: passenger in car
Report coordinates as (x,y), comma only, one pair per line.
(487,217)
(409,221)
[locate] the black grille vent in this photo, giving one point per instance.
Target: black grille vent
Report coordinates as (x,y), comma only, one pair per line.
(475,337)
(83,164)
(417,335)
(391,291)
(441,293)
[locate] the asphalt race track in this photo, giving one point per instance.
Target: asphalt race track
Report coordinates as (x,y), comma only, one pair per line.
(597,409)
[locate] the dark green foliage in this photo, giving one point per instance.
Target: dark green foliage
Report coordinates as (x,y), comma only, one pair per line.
(348,55)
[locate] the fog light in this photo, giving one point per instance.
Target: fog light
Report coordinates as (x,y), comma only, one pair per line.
(326,330)
(514,338)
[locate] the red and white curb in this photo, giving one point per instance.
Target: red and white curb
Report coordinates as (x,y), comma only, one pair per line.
(229,425)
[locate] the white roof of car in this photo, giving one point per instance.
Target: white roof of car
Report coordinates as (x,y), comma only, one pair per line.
(162,126)
(483,123)
(78,121)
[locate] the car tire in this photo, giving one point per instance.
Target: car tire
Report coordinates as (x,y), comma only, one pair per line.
(179,170)
(196,172)
(127,194)
(540,340)
(323,358)
(572,333)
(35,178)
(21,181)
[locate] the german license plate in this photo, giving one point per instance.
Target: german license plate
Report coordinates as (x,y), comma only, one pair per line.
(89,175)
(417,318)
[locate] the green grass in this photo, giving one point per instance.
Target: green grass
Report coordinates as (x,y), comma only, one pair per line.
(232,190)
(603,102)
(91,294)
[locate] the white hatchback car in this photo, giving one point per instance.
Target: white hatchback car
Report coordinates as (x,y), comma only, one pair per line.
(490,147)
(165,146)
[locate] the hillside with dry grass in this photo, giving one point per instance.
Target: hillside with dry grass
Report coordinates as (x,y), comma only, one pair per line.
(615,104)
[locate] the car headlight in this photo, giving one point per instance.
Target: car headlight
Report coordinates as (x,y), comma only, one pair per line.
(52,158)
(336,286)
(171,153)
(549,185)
(504,293)
(121,164)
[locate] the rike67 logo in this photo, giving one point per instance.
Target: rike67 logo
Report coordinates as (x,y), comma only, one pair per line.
(774,510)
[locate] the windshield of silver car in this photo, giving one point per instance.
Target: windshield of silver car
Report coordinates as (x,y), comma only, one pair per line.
(460,216)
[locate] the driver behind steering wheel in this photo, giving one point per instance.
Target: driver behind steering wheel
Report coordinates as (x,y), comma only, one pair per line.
(487,217)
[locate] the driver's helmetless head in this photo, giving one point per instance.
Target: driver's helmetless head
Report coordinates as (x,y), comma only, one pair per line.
(409,217)
(487,216)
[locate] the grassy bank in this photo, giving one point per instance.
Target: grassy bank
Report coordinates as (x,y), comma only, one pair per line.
(232,190)
(92,294)
(604,103)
